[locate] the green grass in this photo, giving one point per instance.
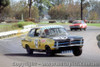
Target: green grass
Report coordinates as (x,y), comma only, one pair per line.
(94,24)
(8,27)
(13,26)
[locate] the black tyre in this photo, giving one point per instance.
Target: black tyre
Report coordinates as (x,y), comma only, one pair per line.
(77,51)
(84,29)
(29,51)
(80,29)
(48,51)
(71,29)
(75,29)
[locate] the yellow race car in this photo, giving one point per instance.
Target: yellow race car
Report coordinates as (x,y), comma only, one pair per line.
(52,39)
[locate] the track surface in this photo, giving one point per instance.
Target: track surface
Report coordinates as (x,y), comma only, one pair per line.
(13,55)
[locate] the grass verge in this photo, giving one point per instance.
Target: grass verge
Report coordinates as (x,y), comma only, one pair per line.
(94,24)
(13,26)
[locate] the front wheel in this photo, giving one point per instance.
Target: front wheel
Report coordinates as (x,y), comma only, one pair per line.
(29,51)
(80,29)
(49,52)
(77,51)
(71,29)
(84,29)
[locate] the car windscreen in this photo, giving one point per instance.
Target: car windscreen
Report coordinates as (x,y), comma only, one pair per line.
(76,22)
(56,32)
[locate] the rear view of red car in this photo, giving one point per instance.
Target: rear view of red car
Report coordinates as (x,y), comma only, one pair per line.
(78,24)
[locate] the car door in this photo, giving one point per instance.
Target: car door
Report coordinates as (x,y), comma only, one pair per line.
(36,39)
(30,38)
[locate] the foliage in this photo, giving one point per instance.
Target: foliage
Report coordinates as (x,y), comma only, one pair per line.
(3,4)
(74,11)
(93,15)
(94,7)
(58,12)
(70,11)
(7,12)
(21,24)
(18,9)
(42,5)
(24,11)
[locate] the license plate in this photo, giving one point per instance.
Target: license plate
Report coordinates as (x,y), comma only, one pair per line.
(68,51)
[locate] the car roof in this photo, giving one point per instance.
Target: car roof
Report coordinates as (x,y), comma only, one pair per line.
(48,27)
(78,20)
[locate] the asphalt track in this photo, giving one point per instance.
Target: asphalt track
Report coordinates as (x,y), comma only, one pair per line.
(12,53)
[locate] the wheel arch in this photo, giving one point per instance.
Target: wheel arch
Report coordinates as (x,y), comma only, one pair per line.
(47,46)
(26,45)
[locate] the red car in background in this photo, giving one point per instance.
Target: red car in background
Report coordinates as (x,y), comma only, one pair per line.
(78,24)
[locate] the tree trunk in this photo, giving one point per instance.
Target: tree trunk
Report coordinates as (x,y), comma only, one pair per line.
(30,4)
(81,10)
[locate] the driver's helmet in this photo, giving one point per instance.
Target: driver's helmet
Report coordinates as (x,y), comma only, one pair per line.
(46,31)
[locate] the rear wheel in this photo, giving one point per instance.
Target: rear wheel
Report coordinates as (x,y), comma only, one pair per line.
(29,51)
(77,51)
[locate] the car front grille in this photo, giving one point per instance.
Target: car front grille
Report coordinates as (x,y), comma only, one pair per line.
(63,43)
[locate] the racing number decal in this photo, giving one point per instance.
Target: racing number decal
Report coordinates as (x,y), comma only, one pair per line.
(36,43)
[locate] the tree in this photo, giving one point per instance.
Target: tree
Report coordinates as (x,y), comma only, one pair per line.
(94,7)
(83,6)
(22,8)
(3,4)
(93,15)
(43,6)
(58,12)
(18,9)
(30,5)
(73,10)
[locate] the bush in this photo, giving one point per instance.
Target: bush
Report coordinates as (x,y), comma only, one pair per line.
(21,24)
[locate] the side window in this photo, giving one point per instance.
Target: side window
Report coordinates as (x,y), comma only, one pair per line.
(37,33)
(83,22)
(31,33)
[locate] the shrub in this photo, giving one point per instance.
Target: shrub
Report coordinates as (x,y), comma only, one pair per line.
(21,24)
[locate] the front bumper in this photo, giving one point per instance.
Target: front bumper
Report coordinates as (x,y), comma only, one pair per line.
(72,45)
(60,49)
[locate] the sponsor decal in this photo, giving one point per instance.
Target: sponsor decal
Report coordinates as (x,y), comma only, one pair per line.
(43,40)
(36,43)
